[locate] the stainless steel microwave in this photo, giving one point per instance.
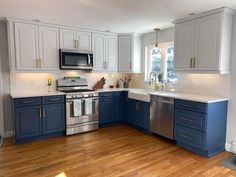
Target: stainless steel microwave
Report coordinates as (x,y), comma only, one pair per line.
(75,60)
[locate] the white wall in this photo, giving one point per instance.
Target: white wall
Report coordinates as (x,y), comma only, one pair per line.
(1,104)
(231,123)
(5,80)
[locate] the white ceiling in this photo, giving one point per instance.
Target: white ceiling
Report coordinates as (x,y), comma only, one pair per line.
(116,15)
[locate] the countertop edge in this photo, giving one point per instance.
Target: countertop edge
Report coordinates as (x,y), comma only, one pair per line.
(211,100)
(27,95)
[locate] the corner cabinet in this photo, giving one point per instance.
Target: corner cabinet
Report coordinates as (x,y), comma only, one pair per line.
(105,52)
(138,113)
(38,117)
(33,47)
(202,42)
(129,53)
(201,127)
(111,107)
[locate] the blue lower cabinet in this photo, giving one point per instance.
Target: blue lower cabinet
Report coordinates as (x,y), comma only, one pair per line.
(145,115)
(106,110)
(111,107)
(27,122)
(119,101)
(138,113)
(53,118)
(40,120)
(201,127)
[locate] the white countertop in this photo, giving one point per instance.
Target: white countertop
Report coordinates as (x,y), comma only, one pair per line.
(176,95)
(35,94)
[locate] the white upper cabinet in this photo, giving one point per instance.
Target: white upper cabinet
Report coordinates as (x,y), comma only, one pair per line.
(26,46)
(84,40)
(207,45)
(129,53)
(49,47)
(111,52)
(104,52)
(184,47)
(67,39)
(202,42)
(99,45)
(75,39)
(33,47)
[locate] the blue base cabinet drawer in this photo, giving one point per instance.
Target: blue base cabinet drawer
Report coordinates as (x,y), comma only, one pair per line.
(190,119)
(53,99)
(31,101)
(190,105)
(201,127)
(191,137)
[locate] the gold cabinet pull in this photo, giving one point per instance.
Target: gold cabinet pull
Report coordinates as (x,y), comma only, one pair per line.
(44,113)
(194,62)
(191,62)
(40,113)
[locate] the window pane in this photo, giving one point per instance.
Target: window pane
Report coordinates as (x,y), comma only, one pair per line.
(171,76)
(156,61)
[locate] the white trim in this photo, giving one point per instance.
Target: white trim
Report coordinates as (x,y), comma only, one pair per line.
(228,147)
(8,134)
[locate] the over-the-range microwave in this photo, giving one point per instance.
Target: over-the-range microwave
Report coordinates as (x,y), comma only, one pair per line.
(75,60)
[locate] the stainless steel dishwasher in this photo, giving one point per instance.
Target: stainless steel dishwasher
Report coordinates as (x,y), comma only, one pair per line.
(162,116)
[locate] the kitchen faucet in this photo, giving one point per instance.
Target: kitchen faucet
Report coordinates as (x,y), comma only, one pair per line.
(155,77)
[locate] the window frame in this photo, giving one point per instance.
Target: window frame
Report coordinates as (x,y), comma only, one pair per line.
(148,50)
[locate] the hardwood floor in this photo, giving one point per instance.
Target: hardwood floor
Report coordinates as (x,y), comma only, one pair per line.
(112,151)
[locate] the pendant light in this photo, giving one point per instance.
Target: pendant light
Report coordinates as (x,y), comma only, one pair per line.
(156,45)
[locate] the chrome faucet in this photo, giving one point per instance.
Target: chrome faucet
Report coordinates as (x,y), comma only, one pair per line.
(155,77)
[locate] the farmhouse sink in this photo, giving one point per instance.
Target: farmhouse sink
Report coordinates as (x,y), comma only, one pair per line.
(141,95)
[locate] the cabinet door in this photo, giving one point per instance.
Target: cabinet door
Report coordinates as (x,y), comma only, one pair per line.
(144,115)
(111,52)
(208,42)
(125,53)
(184,45)
(28,122)
(84,40)
(106,110)
(131,111)
(26,43)
(53,118)
(49,47)
(67,39)
(119,106)
(99,41)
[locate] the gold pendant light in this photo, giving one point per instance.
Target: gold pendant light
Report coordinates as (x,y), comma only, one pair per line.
(156,45)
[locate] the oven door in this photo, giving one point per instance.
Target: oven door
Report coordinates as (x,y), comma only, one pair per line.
(80,116)
(75,60)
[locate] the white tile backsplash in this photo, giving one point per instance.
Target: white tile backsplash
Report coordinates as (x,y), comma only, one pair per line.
(208,84)
(38,81)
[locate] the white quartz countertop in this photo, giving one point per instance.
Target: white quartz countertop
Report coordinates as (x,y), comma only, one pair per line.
(176,95)
(35,94)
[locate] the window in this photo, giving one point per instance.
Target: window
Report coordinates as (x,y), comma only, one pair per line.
(160,61)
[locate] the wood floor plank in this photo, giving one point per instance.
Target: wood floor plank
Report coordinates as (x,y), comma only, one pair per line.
(117,151)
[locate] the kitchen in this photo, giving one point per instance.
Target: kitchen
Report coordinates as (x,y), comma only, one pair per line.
(30,50)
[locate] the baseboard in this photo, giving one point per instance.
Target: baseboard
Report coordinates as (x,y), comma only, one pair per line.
(228,147)
(8,134)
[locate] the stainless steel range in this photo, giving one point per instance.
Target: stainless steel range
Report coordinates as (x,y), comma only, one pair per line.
(81,105)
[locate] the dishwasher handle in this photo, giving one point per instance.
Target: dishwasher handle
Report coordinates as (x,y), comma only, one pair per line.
(164,101)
